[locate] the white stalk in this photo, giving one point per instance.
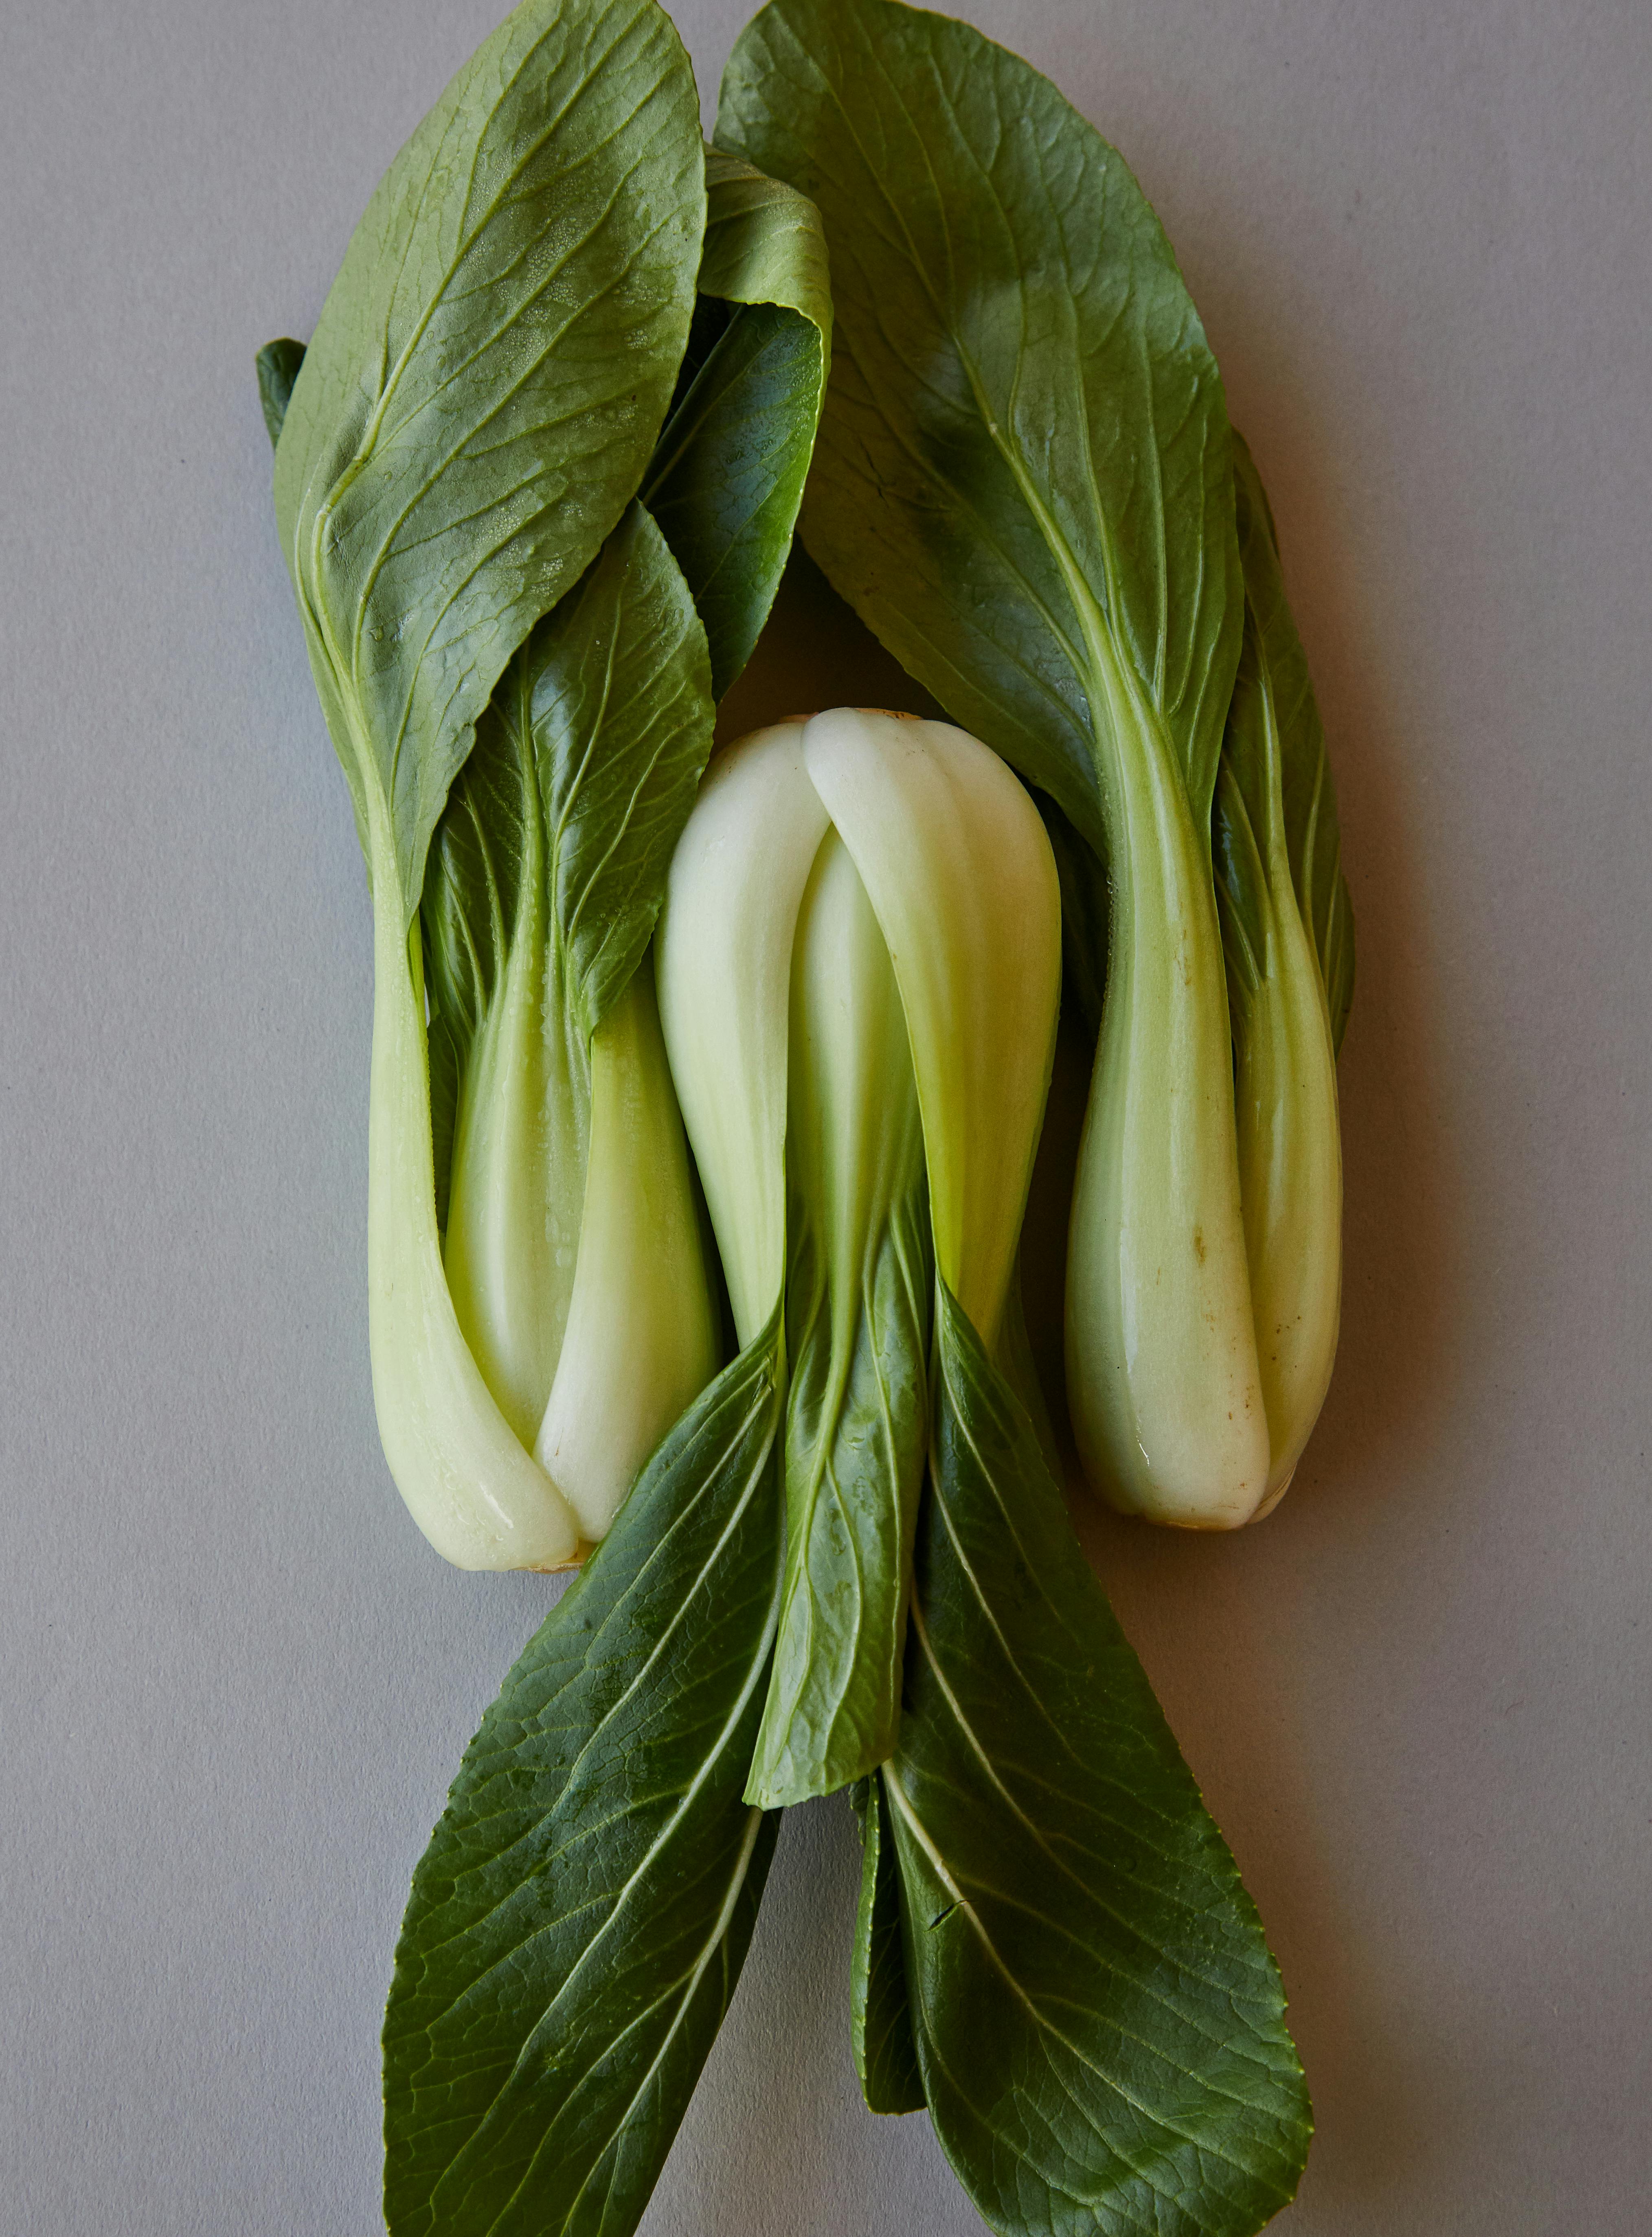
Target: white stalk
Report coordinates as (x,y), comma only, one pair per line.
(640,1343)
(475,1492)
(724,977)
(1163,1379)
(956,862)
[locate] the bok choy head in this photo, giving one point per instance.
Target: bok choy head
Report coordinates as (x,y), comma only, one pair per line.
(858,968)
(535,480)
(1025,486)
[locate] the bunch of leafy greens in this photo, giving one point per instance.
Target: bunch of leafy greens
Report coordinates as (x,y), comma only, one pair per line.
(1025,485)
(536,477)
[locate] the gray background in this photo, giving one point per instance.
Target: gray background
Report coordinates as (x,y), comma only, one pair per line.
(235,1681)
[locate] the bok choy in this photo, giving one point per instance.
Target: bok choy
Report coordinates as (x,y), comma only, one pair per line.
(1025,485)
(536,477)
(859,963)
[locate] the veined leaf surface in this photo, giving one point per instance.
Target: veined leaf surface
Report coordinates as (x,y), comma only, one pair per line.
(1099,2022)
(484,386)
(600,731)
(1023,485)
(578,1922)
(728,473)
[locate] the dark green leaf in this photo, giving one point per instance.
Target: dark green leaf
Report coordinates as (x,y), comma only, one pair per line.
(1013,1357)
(1273,696)
(485,384)
(728,470)
(886,2058)
(1099,2024)
(577,1923)
(278,364)
(1021,482)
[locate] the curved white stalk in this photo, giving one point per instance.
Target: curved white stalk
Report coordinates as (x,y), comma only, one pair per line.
(960,873)
(724,977)
(641,1339)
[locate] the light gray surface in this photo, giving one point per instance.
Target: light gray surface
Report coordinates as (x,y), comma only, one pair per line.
(234,1681)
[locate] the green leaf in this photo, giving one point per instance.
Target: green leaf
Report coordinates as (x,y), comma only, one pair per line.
(278,364)
(578,1922)
(541,891)
(1021,478)
(485,388)
(728,473)
(1274,668)
(1099,2022)
(859,1276)
(886,2058)
(763,243)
